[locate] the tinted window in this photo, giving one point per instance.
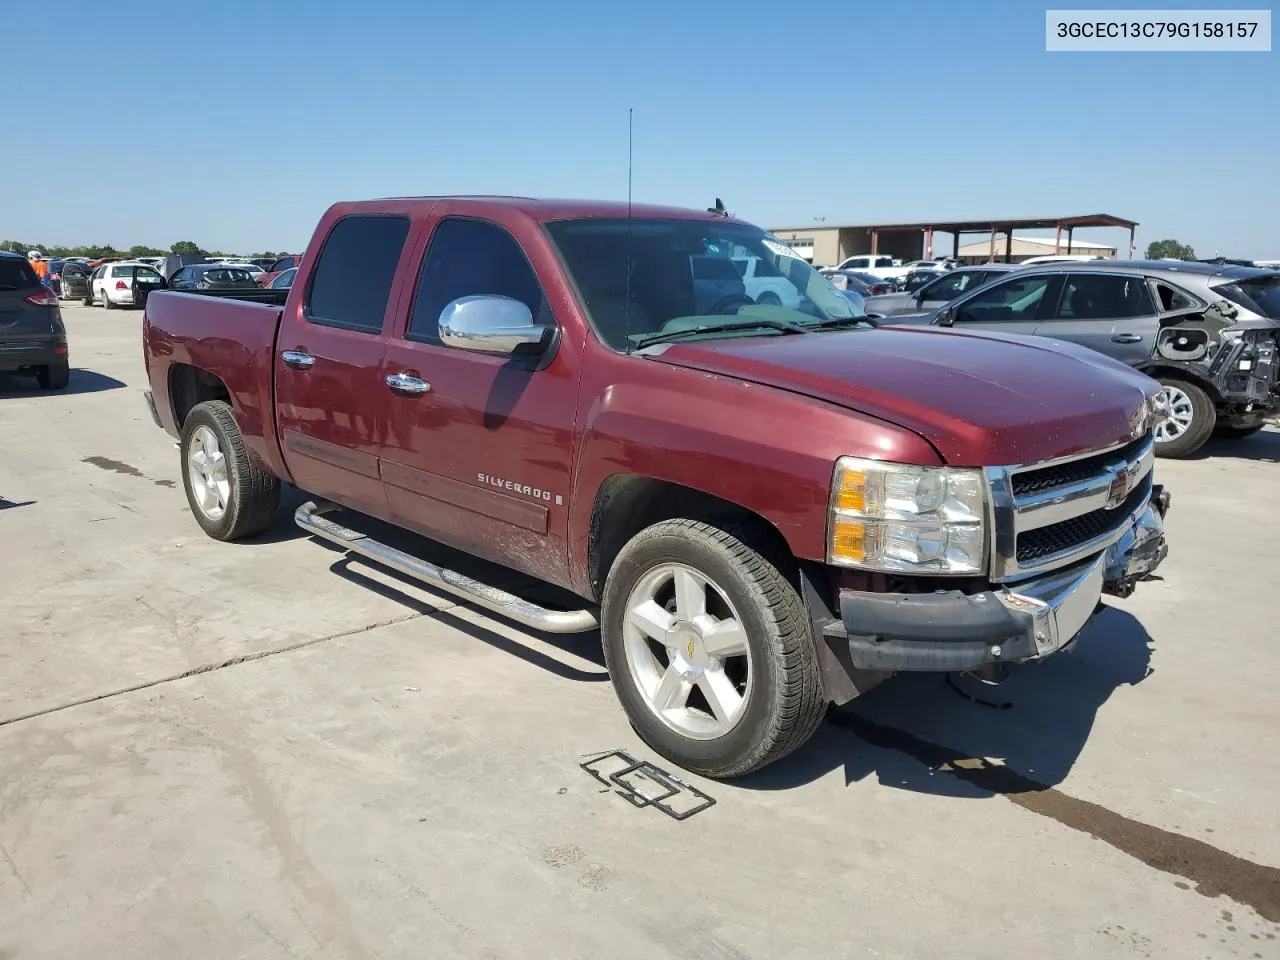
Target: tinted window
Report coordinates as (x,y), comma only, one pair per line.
(352,279)
(1104,297)
(284,263)
(884,262)
(1013,300)
(222,275)
(285,280)
(952,285)
(1259,294)
(1171,299)
(17,274)
(469,258)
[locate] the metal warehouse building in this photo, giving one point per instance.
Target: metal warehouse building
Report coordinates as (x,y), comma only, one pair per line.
(828,245)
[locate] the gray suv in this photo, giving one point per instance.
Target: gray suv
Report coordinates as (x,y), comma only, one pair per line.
(937,292)
(32,338)
(1210,333)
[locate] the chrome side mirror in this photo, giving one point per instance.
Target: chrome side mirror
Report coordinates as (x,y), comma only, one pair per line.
(494,325)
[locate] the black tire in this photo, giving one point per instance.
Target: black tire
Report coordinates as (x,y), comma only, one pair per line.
(88,300)
(769,298)
(784,699)
(1204,417)
(254,493)
(55,376)
(106,301)
(1229,432)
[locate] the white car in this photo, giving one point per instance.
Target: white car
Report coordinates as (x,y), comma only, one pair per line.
(764,283)
(112,283)
(253,268)
(877,265)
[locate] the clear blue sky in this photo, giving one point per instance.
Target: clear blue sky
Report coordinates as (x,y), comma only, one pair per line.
(235,124)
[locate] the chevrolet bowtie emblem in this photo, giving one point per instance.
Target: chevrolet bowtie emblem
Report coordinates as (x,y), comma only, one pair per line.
(1122,483)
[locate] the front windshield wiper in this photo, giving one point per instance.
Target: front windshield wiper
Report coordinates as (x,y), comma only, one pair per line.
(836,323)
(762,324)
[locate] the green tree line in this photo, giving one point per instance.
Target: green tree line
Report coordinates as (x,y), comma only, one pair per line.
(97,251)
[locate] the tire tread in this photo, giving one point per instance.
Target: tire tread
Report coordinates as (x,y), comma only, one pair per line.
(255,492)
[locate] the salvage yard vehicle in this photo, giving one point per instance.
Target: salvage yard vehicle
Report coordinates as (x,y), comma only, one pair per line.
(763,508)
(33,340)
(1210,333)
(123,284)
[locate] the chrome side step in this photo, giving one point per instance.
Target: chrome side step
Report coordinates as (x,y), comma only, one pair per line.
(310,517)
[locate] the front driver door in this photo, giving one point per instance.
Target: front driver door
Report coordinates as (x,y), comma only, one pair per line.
(1010,306)
(481,458)
(1111,313)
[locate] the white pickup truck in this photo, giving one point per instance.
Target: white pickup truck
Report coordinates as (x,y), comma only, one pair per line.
(875,264)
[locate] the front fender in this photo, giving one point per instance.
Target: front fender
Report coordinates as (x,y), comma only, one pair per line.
(768,451)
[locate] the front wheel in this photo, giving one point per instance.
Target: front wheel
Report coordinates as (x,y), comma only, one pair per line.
(1192,417)
(230,496)
(709,648)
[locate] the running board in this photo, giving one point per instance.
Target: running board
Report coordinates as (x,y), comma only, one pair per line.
(310,517)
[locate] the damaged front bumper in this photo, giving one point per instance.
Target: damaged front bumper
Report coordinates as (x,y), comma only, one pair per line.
(953,631)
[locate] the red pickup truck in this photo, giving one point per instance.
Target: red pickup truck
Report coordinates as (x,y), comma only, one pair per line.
(764,507)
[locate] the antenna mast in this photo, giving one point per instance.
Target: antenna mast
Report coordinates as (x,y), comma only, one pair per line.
(626,303)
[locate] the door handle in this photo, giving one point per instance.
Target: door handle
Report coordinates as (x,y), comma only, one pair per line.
(1127,338)
(404,383)
(298,359)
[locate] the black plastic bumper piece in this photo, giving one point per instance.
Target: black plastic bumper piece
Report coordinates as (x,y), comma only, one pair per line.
(151,405)
(929,632)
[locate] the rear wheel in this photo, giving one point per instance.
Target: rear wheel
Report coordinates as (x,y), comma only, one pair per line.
(1192,417)
(106,300)
(710,649)
(770,298)
(54,377)
(230,496)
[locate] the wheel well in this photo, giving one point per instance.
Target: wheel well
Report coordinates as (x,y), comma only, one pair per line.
(627,503)
(189,386)
(1175,372)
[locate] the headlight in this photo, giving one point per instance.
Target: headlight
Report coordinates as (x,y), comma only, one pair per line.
(903,519)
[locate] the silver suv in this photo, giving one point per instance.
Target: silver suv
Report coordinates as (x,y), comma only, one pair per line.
(1210,333)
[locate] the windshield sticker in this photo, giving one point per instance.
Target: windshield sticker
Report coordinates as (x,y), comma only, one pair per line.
(781,249)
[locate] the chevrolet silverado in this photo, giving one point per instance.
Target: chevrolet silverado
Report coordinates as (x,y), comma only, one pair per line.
(765,507)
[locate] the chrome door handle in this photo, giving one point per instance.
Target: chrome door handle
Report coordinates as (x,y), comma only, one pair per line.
(1127,338)
(298,359)
(403,383)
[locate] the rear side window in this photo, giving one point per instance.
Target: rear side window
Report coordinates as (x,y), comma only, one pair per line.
(16,274)
(1104,297)
(353,274)
(1171,299)
(468,258)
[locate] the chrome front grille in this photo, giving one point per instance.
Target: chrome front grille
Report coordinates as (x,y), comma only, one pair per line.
(1049,515)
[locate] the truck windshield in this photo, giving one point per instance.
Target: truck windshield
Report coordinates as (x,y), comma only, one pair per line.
(644,276)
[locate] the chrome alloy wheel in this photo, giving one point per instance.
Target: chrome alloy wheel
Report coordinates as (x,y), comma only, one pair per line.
(1181,413)
(687,651)
(207,473)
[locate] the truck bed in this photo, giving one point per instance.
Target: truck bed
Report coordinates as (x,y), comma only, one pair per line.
(233,337)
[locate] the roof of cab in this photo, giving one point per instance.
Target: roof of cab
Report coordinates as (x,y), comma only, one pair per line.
(545,210)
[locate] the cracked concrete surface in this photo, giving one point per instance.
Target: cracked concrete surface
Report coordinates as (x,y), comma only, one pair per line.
(264,750)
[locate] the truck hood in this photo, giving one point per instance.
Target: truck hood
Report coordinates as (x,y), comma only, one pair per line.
(981,399)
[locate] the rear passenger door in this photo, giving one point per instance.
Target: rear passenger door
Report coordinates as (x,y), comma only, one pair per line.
(1111,313)
(330,397)
(1010,306)
(479,455)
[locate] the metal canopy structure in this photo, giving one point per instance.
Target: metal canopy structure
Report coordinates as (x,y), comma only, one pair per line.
(990,226)
(1005,226)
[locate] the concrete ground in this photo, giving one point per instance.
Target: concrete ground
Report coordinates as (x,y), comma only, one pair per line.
(263,750)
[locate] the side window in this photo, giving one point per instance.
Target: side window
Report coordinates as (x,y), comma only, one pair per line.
(468,258)
(951,286)
(1104,297)
(1171,299)
(1012,301)
(884,262)
(353,274)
